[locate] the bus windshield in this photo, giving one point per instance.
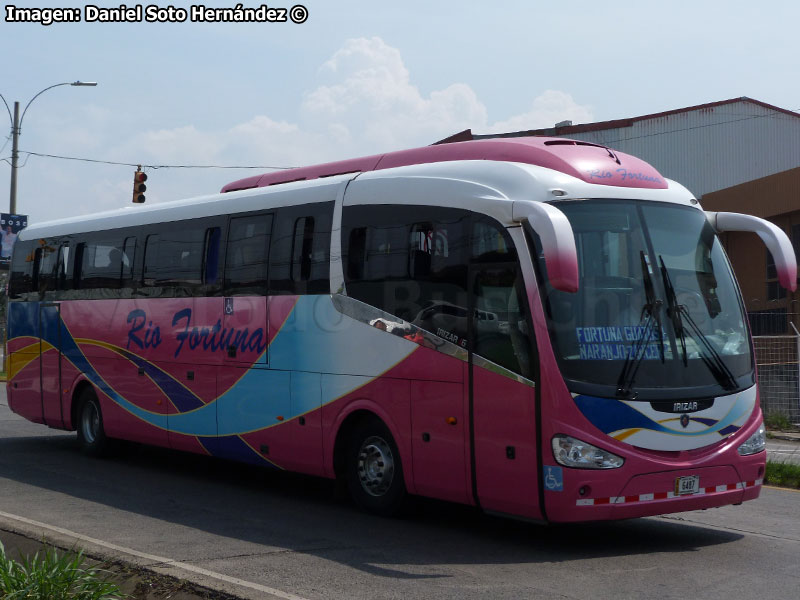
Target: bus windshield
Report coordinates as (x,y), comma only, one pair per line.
(657,315)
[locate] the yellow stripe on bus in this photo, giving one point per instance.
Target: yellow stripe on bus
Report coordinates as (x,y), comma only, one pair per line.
(20,359)
(627,434)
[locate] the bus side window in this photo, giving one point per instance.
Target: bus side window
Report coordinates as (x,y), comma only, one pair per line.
(100,267)
(356,253)
(150,270)
(21,278)
(302,248)
(37,263)
(247,255)
(211,255)
(128,258)
(410,261)
(62,280)
(77,268)
(300,252)
(180,257)
(47,269)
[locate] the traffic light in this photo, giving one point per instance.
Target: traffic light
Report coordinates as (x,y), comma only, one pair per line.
(138,186)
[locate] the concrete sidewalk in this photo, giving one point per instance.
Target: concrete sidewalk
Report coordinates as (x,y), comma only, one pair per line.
(786,436)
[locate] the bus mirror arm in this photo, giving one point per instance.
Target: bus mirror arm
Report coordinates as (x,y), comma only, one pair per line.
(558,241)
(773,237)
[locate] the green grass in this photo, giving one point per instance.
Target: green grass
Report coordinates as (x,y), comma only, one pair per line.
(50,576)
(778,421)
(783,474)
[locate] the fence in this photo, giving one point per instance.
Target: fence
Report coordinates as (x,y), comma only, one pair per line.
(777,363)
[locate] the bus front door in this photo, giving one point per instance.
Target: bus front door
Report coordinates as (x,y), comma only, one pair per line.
(504,448)
(50,363)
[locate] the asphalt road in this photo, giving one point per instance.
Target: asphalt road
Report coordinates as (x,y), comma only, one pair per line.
(263,534)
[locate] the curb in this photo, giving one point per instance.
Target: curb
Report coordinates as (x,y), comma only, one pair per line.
(784,436)
(99,550)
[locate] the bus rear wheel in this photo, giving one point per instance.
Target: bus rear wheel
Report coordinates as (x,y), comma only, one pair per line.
(374,470)
(91,434)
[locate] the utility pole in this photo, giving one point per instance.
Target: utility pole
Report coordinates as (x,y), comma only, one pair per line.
(14,159)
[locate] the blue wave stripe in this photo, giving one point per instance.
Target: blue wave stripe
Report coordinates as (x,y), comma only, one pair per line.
(233,447)
(183,399)
(609,415)
(728,430)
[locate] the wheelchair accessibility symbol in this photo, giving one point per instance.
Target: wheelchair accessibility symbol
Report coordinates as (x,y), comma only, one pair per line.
(553,479)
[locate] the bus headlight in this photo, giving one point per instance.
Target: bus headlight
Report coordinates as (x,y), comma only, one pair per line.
(572,452)
(755,443)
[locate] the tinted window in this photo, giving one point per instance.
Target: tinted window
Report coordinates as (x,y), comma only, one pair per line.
(150,269)
(211,257)
(300,251)
(100,264)
(180,259)
(45,260)
(500,330)
(128,261)
(247,255)
(180,256)
(21,277)
(63,282)
(410,261)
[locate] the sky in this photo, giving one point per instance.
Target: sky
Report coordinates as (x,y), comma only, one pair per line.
(356,78)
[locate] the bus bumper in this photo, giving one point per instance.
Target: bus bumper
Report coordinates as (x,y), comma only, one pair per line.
(586,497)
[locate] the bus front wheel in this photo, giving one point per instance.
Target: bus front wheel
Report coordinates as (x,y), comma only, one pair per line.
(91,435)
(374,471)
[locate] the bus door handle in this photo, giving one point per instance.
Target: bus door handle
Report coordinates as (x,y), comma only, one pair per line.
(231,351)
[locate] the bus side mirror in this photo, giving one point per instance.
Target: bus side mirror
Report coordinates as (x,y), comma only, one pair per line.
(773,237)
(558,241)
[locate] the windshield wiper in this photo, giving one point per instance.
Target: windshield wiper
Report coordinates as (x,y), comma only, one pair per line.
(673,308)
(651,310)
(711,357)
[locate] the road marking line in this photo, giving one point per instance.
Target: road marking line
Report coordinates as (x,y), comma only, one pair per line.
(163,561)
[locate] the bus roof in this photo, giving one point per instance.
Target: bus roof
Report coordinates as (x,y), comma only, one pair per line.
(589,162)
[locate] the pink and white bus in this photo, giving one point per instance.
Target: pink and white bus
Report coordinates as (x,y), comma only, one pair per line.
(538,327)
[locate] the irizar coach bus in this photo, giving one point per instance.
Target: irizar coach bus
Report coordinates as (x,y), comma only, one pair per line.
(538,327)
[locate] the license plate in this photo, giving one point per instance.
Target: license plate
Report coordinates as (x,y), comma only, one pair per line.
(687,485)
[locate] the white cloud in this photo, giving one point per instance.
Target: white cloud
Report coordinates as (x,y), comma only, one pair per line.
(549,108)
(373,95)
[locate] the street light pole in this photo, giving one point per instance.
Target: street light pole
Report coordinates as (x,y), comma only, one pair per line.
(16,130)
(12,204)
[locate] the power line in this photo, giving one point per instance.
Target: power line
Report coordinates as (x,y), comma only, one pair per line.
(136,164)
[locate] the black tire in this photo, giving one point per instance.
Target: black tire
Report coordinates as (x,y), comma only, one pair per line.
(91,434)
(374,471)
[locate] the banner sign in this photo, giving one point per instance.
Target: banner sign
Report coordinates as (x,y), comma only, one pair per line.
(10,226)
